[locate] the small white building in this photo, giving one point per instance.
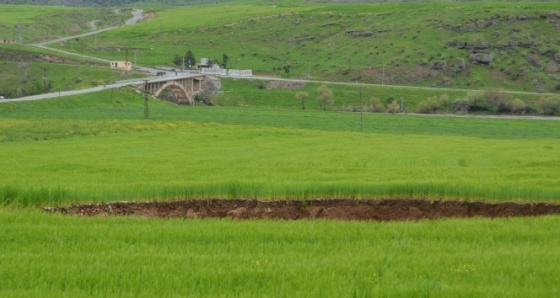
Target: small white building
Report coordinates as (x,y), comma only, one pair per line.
(121,65)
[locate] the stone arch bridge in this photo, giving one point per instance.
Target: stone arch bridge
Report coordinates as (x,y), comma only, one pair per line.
(184,87)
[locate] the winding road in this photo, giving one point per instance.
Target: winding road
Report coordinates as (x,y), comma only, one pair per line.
(136,16)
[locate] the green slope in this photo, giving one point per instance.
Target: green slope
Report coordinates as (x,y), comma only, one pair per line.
(43,23)
(405,43)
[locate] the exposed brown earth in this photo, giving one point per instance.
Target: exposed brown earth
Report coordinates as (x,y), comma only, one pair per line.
(290,85)
(370,210)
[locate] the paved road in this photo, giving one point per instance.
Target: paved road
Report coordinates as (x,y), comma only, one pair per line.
(92,25)
(43,46)
(137,15)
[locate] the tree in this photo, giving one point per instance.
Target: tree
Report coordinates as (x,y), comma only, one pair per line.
(518,106)
(301,96)
(325,96)
(225,60)
(190,60)
(428,106)
(376,105)
(287,69)
(477,101)
(444,103)
(498,101)
(177,60)
(550,105)
(210,89)
(393,107)
(461,105)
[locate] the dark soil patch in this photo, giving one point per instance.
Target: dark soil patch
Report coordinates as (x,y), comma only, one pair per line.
(372,210)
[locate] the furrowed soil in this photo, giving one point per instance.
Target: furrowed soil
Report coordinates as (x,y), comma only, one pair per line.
(369,210)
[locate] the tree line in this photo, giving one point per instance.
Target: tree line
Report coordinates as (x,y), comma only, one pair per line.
(188,60)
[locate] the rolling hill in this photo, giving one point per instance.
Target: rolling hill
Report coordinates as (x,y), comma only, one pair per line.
(482,45)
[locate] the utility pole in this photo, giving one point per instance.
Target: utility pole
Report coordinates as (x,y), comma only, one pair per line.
(146,107)
(135,54)
(183,63)
(45,79)
(383,77)
(403,106)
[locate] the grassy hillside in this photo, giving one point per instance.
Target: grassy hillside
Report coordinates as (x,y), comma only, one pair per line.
(42,23)
(22,71)
(468,45)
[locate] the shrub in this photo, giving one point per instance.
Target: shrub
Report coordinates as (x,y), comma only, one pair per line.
(518,106)
(376,105)
(498,101)
(393,107)
(461,105)
(476,102)
(301,96)
(444,103)
(549,105)
(325,96)
(428,106)
(434,105)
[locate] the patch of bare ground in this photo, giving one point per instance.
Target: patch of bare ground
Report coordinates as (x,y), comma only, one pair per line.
(339,209)
(290,85)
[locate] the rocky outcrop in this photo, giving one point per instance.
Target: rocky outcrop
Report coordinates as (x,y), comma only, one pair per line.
(497,19)
(510,45)
(481,58)
(359,33)
(481,46)
(473,47)
(551,67)
(557,57)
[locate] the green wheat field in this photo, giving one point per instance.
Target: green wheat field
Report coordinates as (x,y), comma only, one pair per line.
(99,148)
(258,143)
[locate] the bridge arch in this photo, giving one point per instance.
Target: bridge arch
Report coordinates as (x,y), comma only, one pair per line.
(178,91)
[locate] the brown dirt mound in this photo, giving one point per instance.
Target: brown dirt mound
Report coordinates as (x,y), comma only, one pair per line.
(372,210)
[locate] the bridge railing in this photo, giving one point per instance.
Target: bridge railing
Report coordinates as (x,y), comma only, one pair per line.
(240,72)
(214,71)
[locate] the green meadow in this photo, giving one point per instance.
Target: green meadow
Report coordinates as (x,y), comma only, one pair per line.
(99,148)
(45,255)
